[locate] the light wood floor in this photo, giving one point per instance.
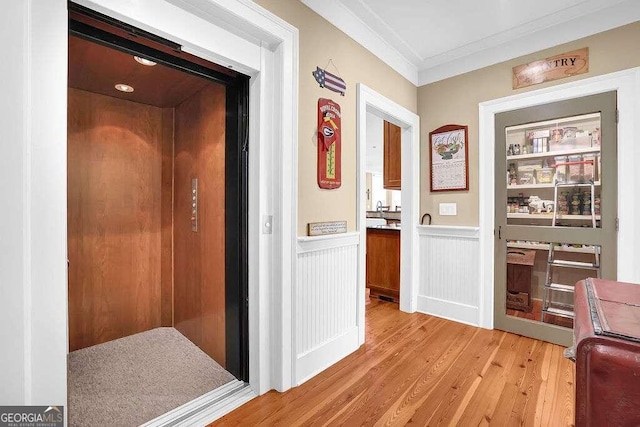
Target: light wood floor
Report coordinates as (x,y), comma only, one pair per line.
(421,370)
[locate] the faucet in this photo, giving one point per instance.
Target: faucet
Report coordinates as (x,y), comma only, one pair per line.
(379,205)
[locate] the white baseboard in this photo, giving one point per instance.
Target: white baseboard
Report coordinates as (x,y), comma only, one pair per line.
(317,360)
(450,310)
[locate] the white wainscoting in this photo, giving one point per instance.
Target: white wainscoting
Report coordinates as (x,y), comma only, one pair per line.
(326,309)
(449,273)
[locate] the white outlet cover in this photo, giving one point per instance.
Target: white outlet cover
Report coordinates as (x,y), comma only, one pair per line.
(448,209)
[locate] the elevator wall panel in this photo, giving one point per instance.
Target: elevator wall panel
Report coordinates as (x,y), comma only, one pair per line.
(114,217)
(199,257)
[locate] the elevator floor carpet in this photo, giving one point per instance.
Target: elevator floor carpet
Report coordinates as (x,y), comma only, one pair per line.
(131,380)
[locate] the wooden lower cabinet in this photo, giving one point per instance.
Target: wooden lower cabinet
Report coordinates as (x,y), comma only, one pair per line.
(383,262)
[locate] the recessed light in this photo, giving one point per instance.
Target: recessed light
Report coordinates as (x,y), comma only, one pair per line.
(124,88)
(144,61)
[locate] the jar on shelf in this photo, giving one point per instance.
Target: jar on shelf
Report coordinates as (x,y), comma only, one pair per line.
(575,170)
(575,204)
(513,175)
(588,168)
(563,203)
(561,168)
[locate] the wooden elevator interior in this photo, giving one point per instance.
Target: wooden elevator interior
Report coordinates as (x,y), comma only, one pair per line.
(134,262)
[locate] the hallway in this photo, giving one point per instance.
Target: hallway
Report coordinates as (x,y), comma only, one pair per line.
(425,370)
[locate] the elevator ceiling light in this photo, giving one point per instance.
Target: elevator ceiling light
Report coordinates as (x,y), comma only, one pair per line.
(144,61)
(124,88)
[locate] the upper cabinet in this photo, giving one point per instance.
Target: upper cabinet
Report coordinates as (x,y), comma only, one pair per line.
(392,157)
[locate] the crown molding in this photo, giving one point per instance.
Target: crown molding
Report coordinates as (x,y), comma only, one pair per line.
(501,47)
(463,60)
(344,19)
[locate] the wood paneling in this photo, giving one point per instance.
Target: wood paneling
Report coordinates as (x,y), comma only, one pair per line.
(114,217)
(392,161)
(383,262)
(326,314)
(421,370)
(166,218)
(199,257)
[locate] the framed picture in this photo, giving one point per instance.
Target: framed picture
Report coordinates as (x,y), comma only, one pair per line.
(449,158)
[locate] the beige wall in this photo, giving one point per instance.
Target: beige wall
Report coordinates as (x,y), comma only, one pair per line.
(455,100)
(319,42)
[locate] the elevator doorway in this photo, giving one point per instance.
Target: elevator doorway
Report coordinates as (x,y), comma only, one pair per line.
(157,194)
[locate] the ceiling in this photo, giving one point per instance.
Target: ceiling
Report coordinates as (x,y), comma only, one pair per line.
(97,68)
(430,40)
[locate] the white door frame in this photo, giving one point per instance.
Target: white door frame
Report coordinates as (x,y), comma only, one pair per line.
(370,101)
(231,32)
(627,83)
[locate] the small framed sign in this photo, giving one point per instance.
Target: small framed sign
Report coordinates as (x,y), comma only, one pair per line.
(449,158)
(330,227)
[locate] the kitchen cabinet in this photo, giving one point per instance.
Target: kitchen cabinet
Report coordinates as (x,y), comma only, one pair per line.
(383,261)
(392,156)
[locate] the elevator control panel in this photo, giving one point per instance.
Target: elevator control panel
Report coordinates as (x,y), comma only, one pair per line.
(194,205)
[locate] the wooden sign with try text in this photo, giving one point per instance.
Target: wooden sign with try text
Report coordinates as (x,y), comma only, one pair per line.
(554,68)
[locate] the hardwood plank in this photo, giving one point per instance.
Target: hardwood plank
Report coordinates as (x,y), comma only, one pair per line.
(421,370)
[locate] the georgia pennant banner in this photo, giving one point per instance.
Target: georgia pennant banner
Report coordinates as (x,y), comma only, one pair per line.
(329,144)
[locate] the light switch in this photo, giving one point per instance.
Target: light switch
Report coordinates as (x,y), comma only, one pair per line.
(448,209)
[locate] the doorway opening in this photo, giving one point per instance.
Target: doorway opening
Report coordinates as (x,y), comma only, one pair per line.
(371,102)
(383,200)
(157,222)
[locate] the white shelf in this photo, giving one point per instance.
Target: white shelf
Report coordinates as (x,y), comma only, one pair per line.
(545,247)
(576,119)
(550,216)
(555,153)
(537,186)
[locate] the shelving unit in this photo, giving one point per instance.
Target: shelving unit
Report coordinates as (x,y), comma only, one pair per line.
(537,186)
(562,175)
(553,138)
(549,216)
(586,150)
(545,247)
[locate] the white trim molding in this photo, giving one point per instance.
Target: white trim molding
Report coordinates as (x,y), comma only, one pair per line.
(627,85)
(571,23)
(448,273)
(342,17)
(319,243)
(371,101)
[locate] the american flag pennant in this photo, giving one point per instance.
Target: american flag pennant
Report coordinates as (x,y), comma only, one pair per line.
(330,81)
